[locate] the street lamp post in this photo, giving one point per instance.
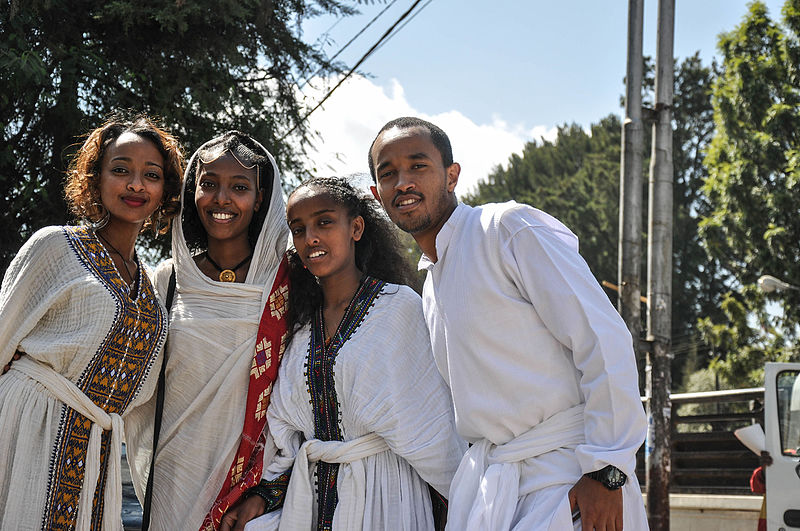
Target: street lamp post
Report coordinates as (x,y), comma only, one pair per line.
(768,284)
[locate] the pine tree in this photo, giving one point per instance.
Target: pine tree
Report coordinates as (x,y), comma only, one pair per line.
(203,66)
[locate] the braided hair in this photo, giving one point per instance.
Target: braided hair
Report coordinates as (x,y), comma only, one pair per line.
(378,252)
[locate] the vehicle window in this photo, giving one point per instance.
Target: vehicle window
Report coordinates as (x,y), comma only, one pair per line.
(788,388)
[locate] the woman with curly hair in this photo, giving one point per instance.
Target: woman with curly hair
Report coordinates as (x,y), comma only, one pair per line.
(79,317)
(227,328)
(360,419)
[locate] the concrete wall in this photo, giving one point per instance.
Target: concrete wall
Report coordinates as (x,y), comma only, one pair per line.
(713,512)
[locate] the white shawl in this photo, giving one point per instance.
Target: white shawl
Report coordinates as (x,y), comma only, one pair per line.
(213,328)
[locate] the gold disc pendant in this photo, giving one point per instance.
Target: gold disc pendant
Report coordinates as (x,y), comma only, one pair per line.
(227,276)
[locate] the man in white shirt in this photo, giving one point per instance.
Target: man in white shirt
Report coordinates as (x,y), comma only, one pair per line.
(540,365)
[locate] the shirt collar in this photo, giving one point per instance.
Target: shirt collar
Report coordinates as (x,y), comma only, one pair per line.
(443,237)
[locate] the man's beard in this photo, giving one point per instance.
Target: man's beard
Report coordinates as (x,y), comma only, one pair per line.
(413,226)
(427,220)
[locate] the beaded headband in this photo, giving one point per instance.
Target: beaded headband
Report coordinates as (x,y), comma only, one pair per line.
(239,152)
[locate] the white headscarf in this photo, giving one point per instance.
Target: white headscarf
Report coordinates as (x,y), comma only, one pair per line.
(269,249)
(213,328)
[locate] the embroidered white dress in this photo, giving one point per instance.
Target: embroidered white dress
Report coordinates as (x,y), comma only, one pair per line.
(391,410)
(89,348)
(213,327)
(540,366)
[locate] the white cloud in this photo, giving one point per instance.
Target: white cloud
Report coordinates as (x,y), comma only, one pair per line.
(350,119)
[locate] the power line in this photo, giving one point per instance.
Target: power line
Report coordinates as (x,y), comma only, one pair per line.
(325,34)
(426,4)
(350,72)
(343,48)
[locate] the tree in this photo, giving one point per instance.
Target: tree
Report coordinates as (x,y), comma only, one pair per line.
(204,66)
(698,281)
(576,179)
(754,188)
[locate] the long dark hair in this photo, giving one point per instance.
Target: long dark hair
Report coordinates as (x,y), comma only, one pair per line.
(378,252)
(248,152)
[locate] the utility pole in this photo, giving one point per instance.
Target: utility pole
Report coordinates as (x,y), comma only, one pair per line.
(630,186)
(659,279)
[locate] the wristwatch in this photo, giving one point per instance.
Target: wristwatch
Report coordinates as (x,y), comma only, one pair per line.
(611,477)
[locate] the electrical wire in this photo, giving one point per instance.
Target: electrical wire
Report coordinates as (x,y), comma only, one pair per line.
(343,48)
(426,4)
(353,69)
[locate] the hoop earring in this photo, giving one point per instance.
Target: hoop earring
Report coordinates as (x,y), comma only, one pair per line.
(103,221)
(157,223)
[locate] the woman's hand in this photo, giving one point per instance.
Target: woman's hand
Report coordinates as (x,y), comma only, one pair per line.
(246,510)
(7,366)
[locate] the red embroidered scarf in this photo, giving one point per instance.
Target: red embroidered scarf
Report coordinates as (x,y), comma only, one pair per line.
(246,469)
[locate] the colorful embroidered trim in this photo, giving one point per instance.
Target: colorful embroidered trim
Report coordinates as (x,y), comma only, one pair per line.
(111,380)
(322,389)
(272,492)
(248,463)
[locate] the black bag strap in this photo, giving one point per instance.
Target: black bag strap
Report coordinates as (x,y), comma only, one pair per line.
(148,494)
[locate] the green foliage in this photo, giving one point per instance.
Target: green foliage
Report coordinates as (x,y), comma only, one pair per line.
(753,227)
(576,179)
(203,66)
(572,178)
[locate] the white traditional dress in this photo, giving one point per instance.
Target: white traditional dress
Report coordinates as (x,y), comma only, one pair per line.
(90,343)
(210,354)
(540,366)
(361,422)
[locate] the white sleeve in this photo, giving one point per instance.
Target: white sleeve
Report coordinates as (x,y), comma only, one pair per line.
(283,439)
(31,282)
(402,396)
(557,281)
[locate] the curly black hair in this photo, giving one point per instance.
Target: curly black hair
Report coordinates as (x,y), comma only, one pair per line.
(82,188)
(248,152)
(378,252)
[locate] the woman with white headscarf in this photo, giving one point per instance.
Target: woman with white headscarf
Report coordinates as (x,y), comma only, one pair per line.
(227,333)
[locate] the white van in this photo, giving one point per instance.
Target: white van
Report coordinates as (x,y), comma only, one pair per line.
(782,427)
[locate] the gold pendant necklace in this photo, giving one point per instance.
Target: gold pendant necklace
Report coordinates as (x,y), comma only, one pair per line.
(227,275)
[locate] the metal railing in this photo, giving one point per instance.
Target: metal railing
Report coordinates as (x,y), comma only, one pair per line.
(706,456)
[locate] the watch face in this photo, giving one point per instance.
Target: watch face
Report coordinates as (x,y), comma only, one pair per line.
(611,477)
(614,477)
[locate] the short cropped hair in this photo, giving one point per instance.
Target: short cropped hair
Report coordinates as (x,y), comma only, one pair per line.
(438,137)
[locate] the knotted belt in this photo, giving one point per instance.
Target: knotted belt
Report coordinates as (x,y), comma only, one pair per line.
(485,489)
(68,392)
(351,481)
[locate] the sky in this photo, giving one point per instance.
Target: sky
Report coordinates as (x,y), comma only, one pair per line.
(493,75)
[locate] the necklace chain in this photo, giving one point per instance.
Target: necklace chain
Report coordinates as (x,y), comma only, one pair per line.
(124,261)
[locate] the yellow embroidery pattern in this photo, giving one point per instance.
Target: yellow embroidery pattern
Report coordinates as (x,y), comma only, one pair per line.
(236,471)
(111,380)
(278,301)
(262,359)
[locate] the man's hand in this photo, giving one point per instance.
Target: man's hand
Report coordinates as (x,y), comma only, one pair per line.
(236,518)
(601,509)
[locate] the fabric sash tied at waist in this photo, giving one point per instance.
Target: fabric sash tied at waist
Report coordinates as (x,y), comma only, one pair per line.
(485,489)
(351,481)
(68,392)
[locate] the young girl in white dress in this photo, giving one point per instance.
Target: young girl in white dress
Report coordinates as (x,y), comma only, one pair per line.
(227,322)
(360,420)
